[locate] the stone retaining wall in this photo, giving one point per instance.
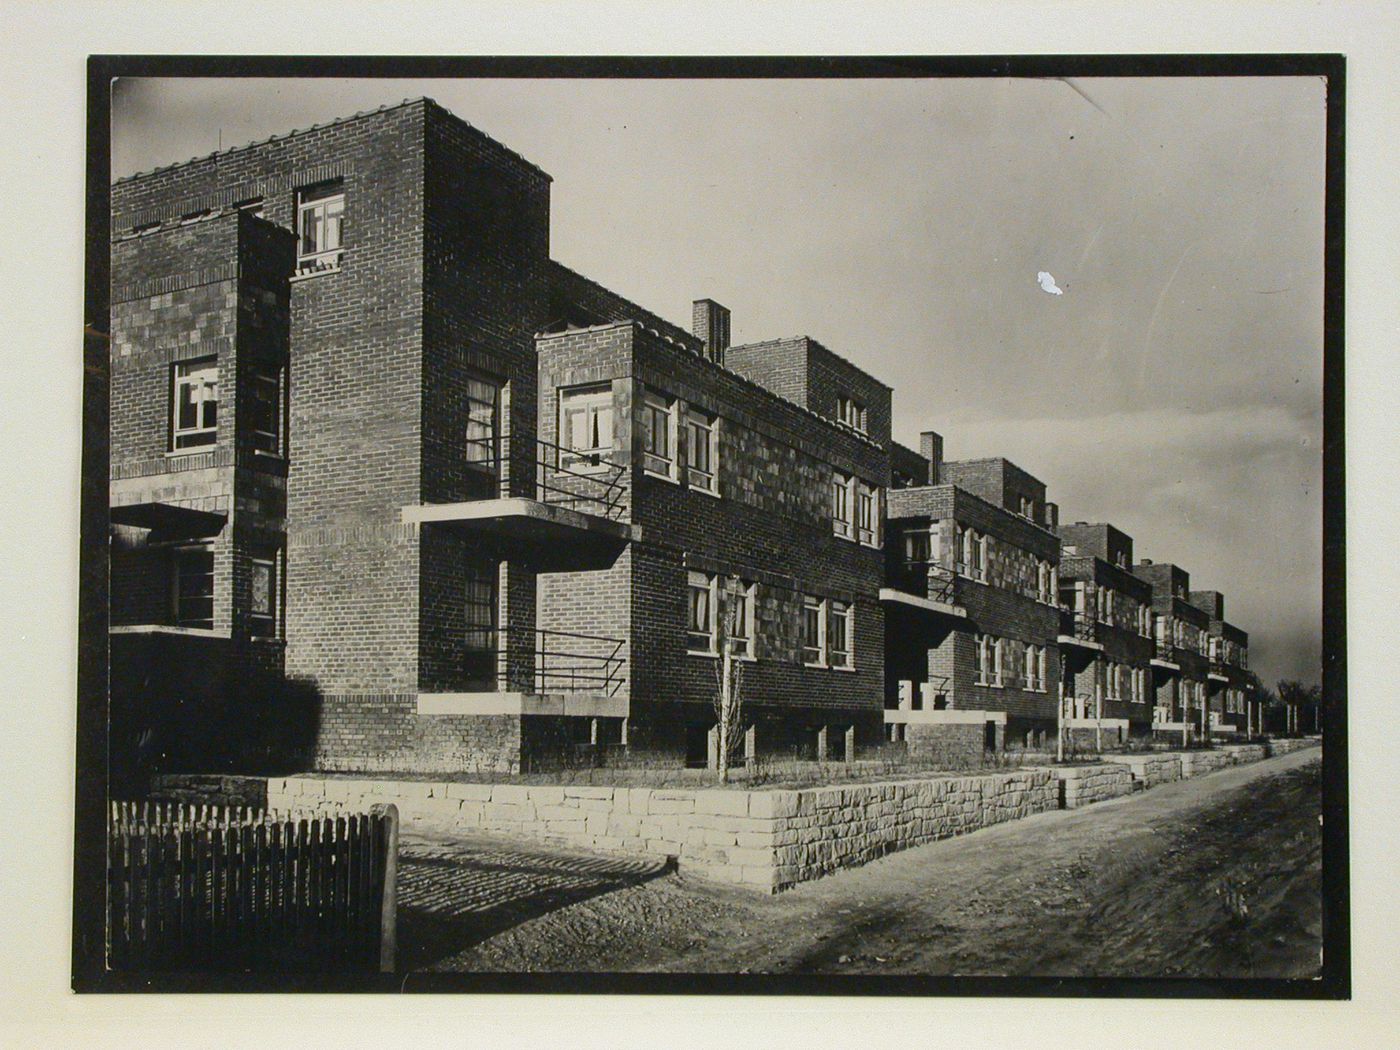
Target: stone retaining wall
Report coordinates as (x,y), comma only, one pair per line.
(772,839)
(1197,763)
(1287,745)
(1150,769)
(1085,785)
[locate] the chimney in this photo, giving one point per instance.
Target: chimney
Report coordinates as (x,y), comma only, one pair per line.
(709,322)
(931,448)
(1052,515)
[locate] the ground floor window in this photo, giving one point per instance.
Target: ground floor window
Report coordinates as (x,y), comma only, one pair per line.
(265,600)
(193,590)
(480,637)
(700,625)
(813,631)
(840,634)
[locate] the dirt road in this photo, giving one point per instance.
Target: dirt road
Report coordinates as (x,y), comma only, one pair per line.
(1218,876)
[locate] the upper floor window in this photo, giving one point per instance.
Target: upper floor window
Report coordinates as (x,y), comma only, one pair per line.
(483,399)
(983,654)
(265,410)
(867,515)
(264,604)
(851,413)
(586,423)
(1027,508)
(702,453)
(196,404)
(320,215)
(918,547)
(841,486)
(659,435)
(193,590)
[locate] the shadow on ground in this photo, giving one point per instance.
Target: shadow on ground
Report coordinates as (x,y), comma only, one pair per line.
(455,894)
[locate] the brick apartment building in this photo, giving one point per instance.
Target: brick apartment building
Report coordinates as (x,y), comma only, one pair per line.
(1232,706)
(392,489)
(1106,632)
(972,609)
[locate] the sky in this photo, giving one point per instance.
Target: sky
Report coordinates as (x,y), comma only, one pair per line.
(1173,388)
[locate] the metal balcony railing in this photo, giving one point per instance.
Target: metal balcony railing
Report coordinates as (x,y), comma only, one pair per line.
(584,481)
(1164,650)
(942,585)
(1080,625)
(569,662)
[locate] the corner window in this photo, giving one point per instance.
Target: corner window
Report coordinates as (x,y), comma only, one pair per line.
(841,487)
(265,410)
(702,459)
(659,435)
(264,603)
(813,631)
(195,417)
(320,215)
(585,425)
(193,590)
(839,634)
(483,415)
(700,627)
(851,413)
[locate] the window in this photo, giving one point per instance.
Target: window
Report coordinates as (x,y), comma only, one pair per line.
(969,549)
(984,660)
(867,515)
(813,631)
(194,587)
(320,213)
(658,435)
(851,413)
(839,634)
(1032,669)
(841,485)
(998,662)
(1027,508)
(585,425)
(739,612)
(918,548)
(984,557)
(479,636)
(483,416)
(702,461)
(265,410)
(263,602)
(700,627)
(196,404)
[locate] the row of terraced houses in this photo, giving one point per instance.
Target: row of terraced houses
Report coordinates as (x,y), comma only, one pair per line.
(393,490)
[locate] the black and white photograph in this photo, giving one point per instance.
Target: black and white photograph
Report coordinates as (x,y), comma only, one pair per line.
(812,527)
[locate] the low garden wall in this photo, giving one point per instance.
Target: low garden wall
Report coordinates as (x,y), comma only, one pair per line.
(1149,769)
(1197,763)
(766,838)
(1287,745)
(1085,785)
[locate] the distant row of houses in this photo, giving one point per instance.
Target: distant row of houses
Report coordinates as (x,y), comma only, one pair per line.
(392,489)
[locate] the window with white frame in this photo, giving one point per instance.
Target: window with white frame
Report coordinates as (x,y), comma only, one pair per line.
(813,631)
(998,662)
(195,418)
(585,425)
(702,455)
(264,409)
(740,606)
(918,548)
(483,397)
(841,504)
(984,557)
(659,435)
(320,218)
(700,626)
(1032,669)
(265,593)
(867,515)
(851,413)
(192,594)
(840,634)
(1027,508)
(984,660)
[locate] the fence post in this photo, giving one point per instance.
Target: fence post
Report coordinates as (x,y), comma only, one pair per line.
(389,908)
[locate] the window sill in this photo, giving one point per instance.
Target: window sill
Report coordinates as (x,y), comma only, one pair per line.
(843,669)
(199,450)
(707,655)
(306,273)
(266,639)
(647,471)
(819,666)
(704,492)
(276,456)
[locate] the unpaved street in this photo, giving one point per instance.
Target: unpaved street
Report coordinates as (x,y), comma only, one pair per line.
(1216,876)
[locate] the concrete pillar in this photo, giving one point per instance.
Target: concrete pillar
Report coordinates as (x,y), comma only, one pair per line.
(822,740)
(906,696)
(750,743)
(851,744)
(712,748)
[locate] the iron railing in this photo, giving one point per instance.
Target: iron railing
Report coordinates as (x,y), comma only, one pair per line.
(1080,625)
(584,481)
(566,661)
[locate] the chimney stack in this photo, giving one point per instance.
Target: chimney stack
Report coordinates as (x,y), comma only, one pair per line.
(1052,515)
(709,322)
(931,448)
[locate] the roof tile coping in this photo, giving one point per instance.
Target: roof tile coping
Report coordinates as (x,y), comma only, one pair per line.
(358,115)
(820,345)
(847,431)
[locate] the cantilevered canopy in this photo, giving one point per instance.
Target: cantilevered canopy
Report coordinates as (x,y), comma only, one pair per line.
(169,521)
(545,536)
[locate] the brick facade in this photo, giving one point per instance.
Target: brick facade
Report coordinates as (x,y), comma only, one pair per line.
(455,590)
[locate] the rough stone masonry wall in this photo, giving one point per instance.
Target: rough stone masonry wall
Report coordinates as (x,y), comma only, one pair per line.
(771,839)
(1150,770)
(1085,785)
(1195,763)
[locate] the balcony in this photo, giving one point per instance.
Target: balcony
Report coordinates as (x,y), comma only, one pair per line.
(1078,639)
(576,518)
(545,672)
(929,596)
(1164,659)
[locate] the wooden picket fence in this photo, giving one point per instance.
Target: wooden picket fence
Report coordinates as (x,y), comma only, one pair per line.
(197,888)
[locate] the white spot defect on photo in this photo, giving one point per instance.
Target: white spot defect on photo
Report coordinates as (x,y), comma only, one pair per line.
(1047,283)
